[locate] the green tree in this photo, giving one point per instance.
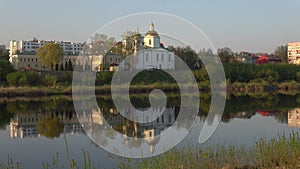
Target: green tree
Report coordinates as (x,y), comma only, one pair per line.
(33,78)
(100,44)
(50,54)
(22,80)
(187,54)
(281,52)
(50,80)
(5,69)
(50,127)
(225,54)
(13,78)
(4,55)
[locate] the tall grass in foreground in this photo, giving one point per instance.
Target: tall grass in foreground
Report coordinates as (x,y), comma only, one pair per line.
(281,152)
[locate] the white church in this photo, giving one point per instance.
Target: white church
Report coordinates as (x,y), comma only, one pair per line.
(149,53)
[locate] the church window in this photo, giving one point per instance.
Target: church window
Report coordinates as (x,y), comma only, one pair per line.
(147,57)
(149,41)
(157,57)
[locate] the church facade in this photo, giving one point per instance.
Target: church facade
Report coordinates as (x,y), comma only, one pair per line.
(149,53)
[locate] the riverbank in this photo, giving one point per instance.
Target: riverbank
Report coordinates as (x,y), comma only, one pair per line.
(278,153)
(237,87)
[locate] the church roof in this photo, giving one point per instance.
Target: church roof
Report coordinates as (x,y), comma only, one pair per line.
(152,33)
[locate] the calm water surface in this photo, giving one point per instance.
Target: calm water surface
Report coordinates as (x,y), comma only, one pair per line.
(34,130)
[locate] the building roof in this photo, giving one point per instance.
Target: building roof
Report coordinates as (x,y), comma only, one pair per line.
(152,33)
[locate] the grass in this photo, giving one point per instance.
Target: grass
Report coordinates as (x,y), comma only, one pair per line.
(279,152)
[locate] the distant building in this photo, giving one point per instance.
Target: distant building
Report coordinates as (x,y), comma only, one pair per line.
(294,52)
(267,59)
(27,60)
(16,47)
(112,61)
(149,53)
(294,118)
(23,56)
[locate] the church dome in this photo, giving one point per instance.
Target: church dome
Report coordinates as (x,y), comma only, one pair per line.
(152,32)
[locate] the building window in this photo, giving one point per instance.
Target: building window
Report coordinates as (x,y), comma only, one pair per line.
(169,57)
(149,41)
(162,57)
(147,57)
(157,57)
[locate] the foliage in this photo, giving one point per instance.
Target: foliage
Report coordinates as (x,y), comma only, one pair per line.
(49,80)
(5,69)
(187,54)
(50,127)
(13,78)
(4,55)
(50,54)
(225,54)
(281,52)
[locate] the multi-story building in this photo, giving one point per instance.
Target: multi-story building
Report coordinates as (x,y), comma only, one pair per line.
(79,62)
(22,55)
(294,52)
(294,118)
(16,47)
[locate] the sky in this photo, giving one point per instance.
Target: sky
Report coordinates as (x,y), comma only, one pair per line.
(253,25)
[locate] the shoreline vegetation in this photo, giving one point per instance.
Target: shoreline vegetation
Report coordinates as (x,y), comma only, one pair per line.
(240,78)
(291,87)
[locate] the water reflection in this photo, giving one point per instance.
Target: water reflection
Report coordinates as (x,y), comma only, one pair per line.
(244,119)
(49,124)
(95,119)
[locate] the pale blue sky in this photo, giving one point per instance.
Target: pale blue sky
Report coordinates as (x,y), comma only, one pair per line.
(254,25)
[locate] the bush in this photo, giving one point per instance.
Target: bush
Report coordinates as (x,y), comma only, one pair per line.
(49,80)
(13,78)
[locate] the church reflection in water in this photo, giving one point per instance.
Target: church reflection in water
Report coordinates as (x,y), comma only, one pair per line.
(93,121)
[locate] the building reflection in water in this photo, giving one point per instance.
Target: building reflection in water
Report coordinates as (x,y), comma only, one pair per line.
(94,122)
(25,125)
(294,118)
